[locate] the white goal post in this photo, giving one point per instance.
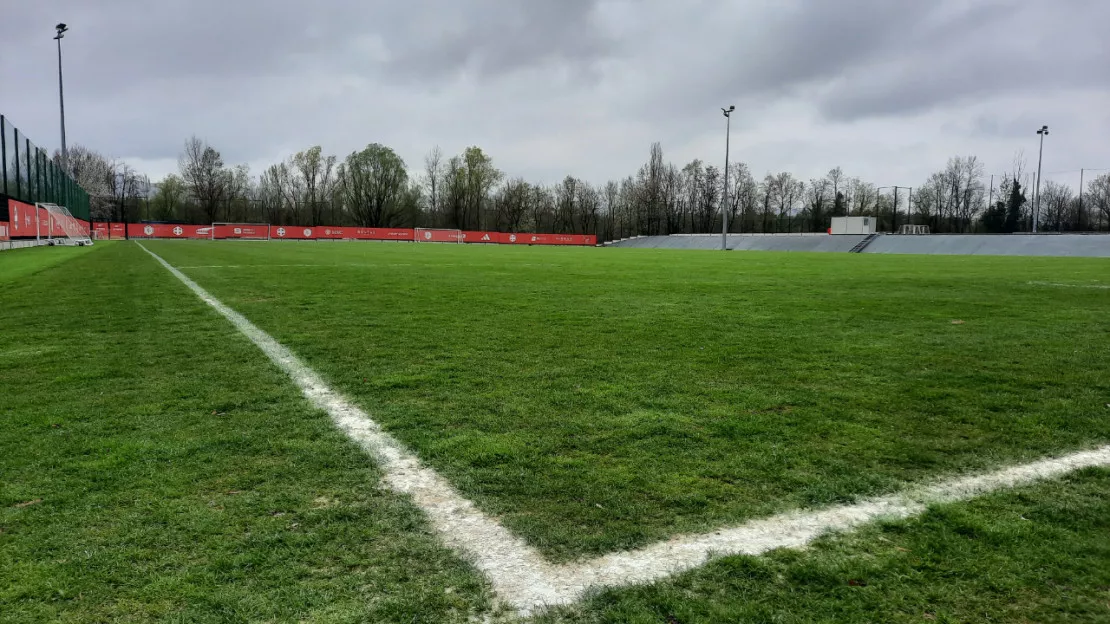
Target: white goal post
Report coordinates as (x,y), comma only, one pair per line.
(438,235)
(914,229)
(240,231)
(63,228)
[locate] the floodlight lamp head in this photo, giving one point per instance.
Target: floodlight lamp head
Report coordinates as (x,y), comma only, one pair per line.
(61,28)
(1043,130)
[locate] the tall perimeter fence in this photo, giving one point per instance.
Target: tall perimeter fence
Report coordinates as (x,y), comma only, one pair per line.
(29,176)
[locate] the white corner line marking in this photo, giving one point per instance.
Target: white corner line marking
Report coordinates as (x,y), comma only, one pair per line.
(518,573)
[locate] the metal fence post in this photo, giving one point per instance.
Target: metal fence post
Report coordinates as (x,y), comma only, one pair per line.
(18,181)
(4,153)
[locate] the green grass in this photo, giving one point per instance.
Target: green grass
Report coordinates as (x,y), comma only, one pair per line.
(1037,554)
(154,467)
(18,263)
(604,399)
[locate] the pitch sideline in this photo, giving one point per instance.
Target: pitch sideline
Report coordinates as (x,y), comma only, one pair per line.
(518,573)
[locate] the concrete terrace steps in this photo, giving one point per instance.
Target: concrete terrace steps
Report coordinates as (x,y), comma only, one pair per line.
(1075,245)
(747,242)
(863,244)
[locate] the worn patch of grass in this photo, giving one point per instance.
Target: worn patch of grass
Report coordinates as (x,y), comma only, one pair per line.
(17,263)
(604,399)
(155,467)
(1037,554)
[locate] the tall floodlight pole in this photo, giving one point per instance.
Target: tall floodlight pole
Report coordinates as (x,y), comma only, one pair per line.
(1043,132)
(1081,172)
(62,28)
(724,202)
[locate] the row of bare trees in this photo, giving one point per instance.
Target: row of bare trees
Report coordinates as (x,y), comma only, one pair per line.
(113,185)
(374,187)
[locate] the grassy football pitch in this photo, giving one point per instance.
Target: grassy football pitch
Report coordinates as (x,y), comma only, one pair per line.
(157,466)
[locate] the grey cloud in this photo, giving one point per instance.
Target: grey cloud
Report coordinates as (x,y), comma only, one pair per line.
(980,52)
(584,85)
(493,37)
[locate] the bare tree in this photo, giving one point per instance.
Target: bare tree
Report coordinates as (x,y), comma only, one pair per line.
(1058,210)
(433,174)
(1098,195)
(743,198)
(820,199)
(863,198)
(670,200)
(315,172)
(611,211)
(784,193)
(541,206)
(202,168)
(837,186)
(588,205)
(566,195)
(126,187)
(965,180)
(481,177)
(511,204)
(649,200)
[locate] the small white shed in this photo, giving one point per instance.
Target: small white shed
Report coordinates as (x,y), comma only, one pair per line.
(853,225)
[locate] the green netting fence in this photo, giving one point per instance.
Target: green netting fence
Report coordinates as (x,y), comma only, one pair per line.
(30,175)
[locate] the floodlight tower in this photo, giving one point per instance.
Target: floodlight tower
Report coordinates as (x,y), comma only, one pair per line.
(724,203)
(1043,132)
(61,29)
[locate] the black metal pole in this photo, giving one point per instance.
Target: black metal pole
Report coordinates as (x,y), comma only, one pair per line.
(61,96)
(4,152)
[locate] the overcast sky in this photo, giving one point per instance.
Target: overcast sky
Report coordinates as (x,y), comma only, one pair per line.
(887,89)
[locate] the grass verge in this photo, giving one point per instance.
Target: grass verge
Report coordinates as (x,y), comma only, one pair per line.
(155,467)
(604,399)
(1035,554)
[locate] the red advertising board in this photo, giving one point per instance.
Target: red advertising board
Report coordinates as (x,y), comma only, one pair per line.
(548,239)
(438,236)
(23,220)
(165,230)
(399,234)
(481,237)
(298,232)
(292,232)
(241,230)
(101,230)
(28,221)
(117,230)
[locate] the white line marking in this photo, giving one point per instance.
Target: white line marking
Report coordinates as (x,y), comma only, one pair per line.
(239,266)
(1061,285)
(269,266)
(519,574)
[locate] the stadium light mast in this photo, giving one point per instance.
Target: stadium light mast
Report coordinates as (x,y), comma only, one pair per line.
(724,202)
(1043,132)
(61,29)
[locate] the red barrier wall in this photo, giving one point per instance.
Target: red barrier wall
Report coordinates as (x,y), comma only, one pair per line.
(437,236)
(297,232)
(481,237)
(165,230)
(22,222)
(241,231)
(325,232)
(548,239)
